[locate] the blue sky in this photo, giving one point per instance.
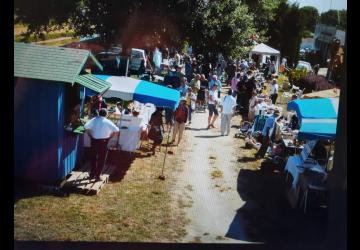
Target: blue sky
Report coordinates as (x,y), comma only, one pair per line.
(322,5)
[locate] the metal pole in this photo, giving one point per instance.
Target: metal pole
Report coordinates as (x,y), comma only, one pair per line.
(122,107)
(127,66)
(162,176)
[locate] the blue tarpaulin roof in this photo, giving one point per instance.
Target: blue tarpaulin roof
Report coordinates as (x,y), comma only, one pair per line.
(142,91)
(316,108)
(318,129)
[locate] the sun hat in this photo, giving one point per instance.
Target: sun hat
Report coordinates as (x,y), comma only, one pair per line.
(182,99)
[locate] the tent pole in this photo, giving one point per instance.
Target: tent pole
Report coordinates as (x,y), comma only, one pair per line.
(122,106)
(127,67)
(162,176)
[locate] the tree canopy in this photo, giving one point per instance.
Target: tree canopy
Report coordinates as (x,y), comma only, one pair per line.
(311,17)
(334,18)
(286,31)
(216,26)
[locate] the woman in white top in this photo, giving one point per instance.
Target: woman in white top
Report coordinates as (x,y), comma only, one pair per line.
(274,89)
(252,104)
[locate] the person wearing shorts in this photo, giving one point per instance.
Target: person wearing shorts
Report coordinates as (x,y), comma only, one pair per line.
(213,112)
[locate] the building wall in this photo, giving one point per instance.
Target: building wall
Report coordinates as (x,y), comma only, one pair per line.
(43,151)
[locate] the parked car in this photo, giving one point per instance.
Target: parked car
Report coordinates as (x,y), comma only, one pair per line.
(135,59)
(304,65)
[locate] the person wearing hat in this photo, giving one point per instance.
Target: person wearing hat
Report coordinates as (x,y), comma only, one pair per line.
(266,133)
(181,115)
(100,130)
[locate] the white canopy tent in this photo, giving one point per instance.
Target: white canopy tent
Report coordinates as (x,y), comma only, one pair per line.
(262,50)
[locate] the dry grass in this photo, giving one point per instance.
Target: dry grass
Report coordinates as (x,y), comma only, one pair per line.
(216,174)
(139,208)
(212,157)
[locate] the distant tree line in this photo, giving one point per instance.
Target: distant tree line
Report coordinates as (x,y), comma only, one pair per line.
(229,27)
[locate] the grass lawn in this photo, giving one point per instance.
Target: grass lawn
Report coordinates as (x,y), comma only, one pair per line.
(134,206)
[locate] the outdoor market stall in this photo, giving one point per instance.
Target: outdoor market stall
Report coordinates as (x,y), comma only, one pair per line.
(148,95)
(263,50)
(45,151)
(318,120)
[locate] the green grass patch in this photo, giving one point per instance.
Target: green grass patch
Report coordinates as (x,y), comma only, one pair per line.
(46,36)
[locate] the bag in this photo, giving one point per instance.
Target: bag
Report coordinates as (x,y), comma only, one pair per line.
(181,115)
(155,134)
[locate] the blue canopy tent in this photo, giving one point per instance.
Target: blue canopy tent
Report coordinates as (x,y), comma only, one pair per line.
(318,117)
(142,91)
(312,129)
(316,108)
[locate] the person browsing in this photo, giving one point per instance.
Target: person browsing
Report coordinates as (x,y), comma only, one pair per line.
(100,130)
(227,110)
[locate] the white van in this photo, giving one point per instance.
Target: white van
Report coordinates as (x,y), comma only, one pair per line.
(135,59)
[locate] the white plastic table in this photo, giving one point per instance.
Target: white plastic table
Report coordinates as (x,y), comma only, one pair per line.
(129,139)
(294,168)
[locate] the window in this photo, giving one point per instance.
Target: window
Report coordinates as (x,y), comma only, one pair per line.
(71,103)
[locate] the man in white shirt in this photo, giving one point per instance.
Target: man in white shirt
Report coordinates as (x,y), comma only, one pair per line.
(274,89)
(260,107)
(100,130)
(213,112)
(227,109)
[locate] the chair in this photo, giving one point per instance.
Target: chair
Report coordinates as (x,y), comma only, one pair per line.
(317,184)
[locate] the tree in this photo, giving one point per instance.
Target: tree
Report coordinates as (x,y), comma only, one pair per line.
(43,15)
(222,26)
(141,23)
(311,16)
(334,18)
(263,12)
(286,31)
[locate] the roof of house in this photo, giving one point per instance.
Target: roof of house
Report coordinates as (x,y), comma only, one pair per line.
(53,64)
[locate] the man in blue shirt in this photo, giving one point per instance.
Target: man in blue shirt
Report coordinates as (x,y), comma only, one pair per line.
(183,87)
(266,133)
(214,80)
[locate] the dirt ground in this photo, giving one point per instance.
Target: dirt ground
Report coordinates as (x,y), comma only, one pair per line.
(229,197)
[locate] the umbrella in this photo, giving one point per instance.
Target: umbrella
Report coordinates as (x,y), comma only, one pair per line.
(315,108)
(127,88)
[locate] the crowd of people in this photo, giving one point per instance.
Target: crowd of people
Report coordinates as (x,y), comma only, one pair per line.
(201,87)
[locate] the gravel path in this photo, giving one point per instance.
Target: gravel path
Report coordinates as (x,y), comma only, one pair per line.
(207,186)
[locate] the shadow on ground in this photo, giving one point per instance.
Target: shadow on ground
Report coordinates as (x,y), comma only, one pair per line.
(122,160)
(267,216)
(195,129)
(246,159)
(207,136)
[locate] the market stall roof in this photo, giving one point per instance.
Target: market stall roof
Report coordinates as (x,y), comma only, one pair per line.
(329,93)
(127,88)
(55,64)
(317,129)
(264,49)
(315,108)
